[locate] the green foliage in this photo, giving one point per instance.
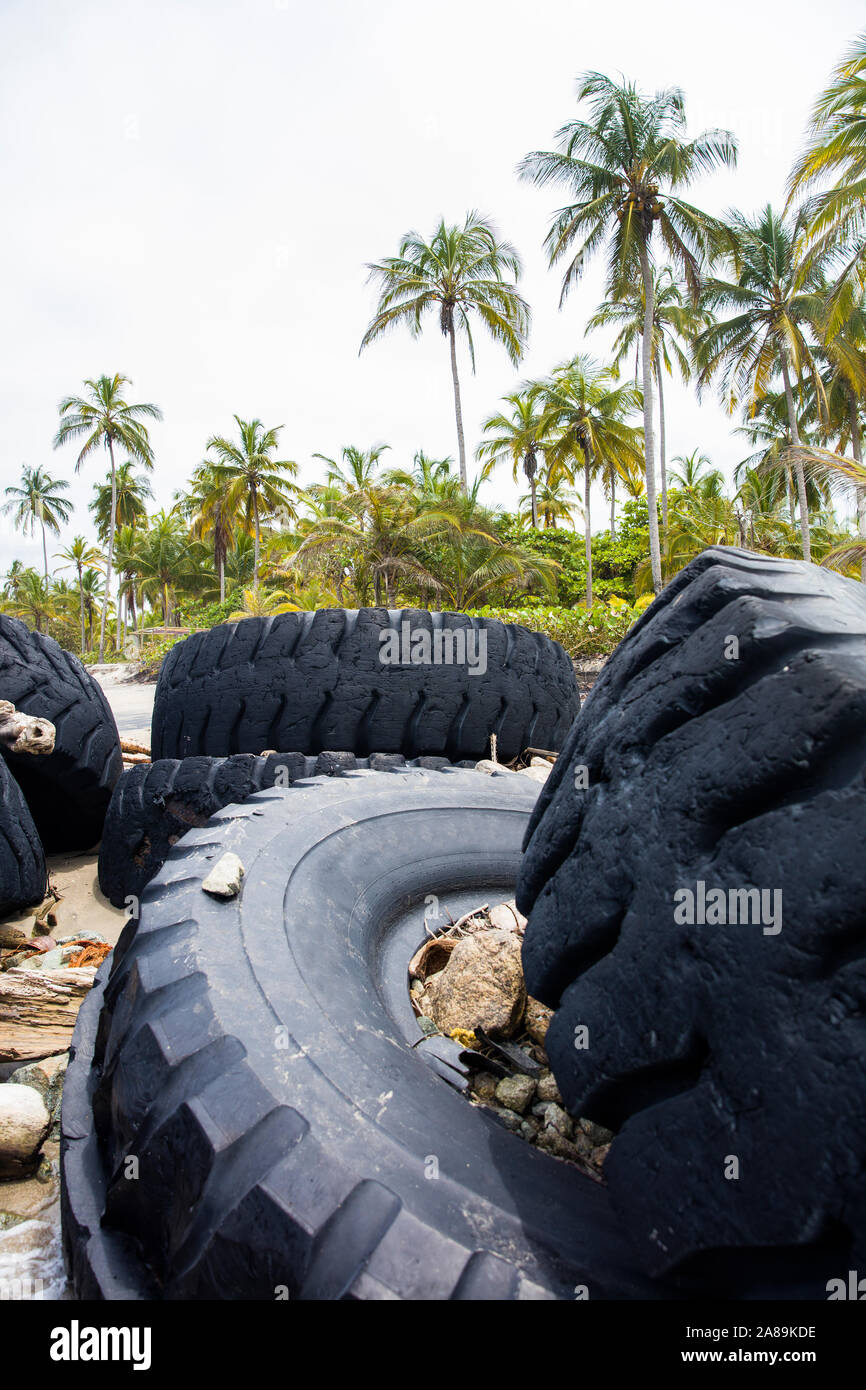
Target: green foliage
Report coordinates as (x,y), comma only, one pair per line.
(582,632)
(614,562)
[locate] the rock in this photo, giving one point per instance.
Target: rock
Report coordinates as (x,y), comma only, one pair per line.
(555,1143)
(537,1019)
(515,1092)
(487,765)
(46,1077)
(553,1116)
(548,1089)
(24,1124)
(596,1134)
(537,774)
(509,1118)
(484,1086)
(504,916)
(529,1129)
(540,762)
(481,986)
(600,1154)
(224,879)
(426,1025)
(432,957)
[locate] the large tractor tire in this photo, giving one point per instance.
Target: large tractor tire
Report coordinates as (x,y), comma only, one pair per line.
(695,884)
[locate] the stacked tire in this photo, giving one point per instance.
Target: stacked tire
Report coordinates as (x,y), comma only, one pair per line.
(58,801)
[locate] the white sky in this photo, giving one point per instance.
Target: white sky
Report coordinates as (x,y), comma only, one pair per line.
(191,193)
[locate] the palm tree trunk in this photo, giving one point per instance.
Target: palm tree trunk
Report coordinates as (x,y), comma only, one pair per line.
(613,502)
(857,450)
(256,551)
(110,554)
(648,433)
(81,604)
(44,548)
(458,410)
(798,465)
(662,447)
(792,507)
(222,577)
(532,487)
(587,530)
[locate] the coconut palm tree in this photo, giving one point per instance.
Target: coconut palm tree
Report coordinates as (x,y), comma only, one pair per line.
(212,515)
(773,303)
(554,501)
(459,272)
(38,499)
(12,578)
(586,416)
(834,221)
(80,555)
(623,168)
(357,469)
(92,591)
(132,492)
(676,323)
(253,477)
(34,601)
(385,547)
(104,419)
(517,436)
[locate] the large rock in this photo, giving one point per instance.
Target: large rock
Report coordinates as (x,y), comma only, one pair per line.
(24,1124)
(481,986)
(46,1077)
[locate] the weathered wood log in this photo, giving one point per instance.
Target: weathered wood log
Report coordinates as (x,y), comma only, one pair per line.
(38,1009)
(128,745)
(24,733)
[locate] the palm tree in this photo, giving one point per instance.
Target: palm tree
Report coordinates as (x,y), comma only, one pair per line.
(385,546)
(12,579)
(253,477)
(213,515)
(34,600)
(586,415)
(554,501)
(263,603)
(693,474)
(92,592)
(165,557)
(460,271)
(81,555)
(105,419)
(622,168)
(835,151)
(132,491)
(357,469)
(772,301)
(676,323)
(516,436)
(38,499)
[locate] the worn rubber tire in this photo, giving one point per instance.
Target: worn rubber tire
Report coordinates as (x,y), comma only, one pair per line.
(154,805)
(693,762)
(68,791)
(22,862)
(315,681)
(260,1062)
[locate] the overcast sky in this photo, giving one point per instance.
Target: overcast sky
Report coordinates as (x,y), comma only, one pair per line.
(191,192)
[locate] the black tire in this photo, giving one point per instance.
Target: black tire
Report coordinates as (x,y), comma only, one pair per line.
(154,805)
(67,791)
(316,681)
(739,769)
(255,1058)
(22,862)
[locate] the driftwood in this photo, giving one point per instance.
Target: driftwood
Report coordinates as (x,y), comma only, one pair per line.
(127,745)
(38,1009)
(132,758)
(23,733)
